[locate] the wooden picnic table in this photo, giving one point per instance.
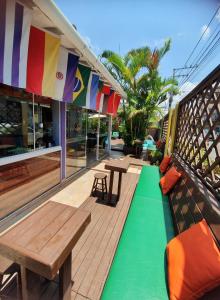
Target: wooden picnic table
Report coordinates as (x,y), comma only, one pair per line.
(42,244)
(120,166)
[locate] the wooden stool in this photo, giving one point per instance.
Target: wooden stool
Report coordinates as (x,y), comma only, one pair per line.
(99,184)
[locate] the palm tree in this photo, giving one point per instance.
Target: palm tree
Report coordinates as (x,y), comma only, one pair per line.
(137,72)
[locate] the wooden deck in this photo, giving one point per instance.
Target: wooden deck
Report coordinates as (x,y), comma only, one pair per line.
(94,252)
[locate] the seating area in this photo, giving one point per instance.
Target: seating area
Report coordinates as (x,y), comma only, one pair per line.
(77,221)
(138,270)
(122,252)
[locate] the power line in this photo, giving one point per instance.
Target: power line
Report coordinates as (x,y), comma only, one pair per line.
(205,52)
(204,56)
(204,32)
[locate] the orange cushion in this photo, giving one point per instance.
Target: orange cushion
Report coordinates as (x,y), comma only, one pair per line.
(165,163)
(193,263)
(168,181)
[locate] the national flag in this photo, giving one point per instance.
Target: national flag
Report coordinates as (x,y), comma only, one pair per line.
(93,86)
(101,101)
(99,94)
(65,75)
(116,104)
(81,85)
(15,21)
(105,104)
(43,53)
(110,105)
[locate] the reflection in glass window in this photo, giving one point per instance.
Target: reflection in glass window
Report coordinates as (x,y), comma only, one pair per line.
(103,135)
(15,125)
(26,123)
(92,129)
(75,139)
(44,122)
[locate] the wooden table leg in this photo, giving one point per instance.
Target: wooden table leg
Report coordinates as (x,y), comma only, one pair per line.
(65,282)
(110,187)
(30,284)
(119,185)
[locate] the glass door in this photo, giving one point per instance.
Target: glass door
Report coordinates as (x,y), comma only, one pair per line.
(103,135)
(75,139)
(92,130)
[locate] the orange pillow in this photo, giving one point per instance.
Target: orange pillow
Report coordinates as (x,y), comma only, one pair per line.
(168,181)
(193,263)
(165,163)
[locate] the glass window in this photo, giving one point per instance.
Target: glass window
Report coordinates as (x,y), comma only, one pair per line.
(15,123)
(103,135)
(44,122)
(26,124)
(22,181)
(92,129)
(75,139)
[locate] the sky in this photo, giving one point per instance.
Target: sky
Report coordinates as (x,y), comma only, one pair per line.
(121,25)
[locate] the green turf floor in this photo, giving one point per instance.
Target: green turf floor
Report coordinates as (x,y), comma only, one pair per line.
(139,267)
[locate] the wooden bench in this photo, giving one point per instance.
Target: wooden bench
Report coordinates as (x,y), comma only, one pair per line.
(152,221)
(42,245)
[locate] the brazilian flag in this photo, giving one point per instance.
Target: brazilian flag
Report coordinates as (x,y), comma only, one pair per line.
(81,85)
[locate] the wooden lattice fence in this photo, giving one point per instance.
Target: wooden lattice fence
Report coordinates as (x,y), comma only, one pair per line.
(197,140)
(164,127)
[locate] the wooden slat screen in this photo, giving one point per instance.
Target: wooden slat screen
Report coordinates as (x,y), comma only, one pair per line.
(198,131)
(164,127)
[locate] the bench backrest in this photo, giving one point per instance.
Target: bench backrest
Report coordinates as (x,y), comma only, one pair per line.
(191,201)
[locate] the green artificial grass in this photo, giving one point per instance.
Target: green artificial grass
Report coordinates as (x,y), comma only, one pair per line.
(139,266)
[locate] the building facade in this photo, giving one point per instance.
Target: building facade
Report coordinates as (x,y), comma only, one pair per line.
(46,140)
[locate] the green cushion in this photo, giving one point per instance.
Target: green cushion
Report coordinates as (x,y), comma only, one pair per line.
(148,184)
(139,269)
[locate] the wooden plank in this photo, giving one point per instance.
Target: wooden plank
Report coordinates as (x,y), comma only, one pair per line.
(56,217)
(89,250)
(63,242)
(99,259)
(37,242)
(100,277)
(117,165)
(57,245)
(34,217)
(96,213)
(30,285)
(65,279)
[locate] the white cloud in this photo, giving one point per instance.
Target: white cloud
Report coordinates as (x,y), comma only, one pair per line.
(205,30)
(180,34)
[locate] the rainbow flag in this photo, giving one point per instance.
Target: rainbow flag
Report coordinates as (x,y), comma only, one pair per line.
(15,21)
(65,76)
(43,53)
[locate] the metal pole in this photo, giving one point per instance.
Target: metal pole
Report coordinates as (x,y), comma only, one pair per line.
(97,142)
(109,133)
(34,134)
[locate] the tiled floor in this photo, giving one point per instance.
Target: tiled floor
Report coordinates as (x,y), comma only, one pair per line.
(79,190)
